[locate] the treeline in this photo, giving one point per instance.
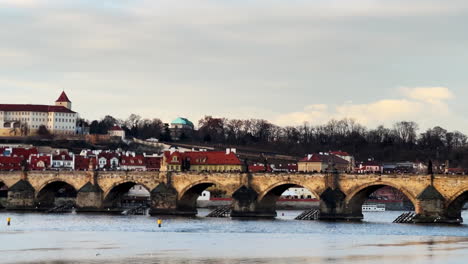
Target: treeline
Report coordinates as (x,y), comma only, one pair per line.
(401,142)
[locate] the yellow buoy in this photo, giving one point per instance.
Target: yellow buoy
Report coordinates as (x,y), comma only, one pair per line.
(159,222)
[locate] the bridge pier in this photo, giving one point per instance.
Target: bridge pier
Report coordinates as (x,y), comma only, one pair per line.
(431,208)
(21,196)
(245,205)
(164,201)
(89,198)
(333,207)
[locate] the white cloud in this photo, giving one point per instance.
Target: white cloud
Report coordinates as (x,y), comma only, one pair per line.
(428,94)
(426,105)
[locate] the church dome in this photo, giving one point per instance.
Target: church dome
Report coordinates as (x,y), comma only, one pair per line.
(182,121)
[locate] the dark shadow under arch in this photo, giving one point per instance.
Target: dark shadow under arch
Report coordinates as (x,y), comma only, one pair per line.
(354,204)
(3,194)
(188,200)
(116,196)
(55,193)
(454,208)
(268,203)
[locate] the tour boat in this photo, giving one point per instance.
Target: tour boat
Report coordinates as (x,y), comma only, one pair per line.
(373,207)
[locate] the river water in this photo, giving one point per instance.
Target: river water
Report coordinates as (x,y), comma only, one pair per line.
(84,238)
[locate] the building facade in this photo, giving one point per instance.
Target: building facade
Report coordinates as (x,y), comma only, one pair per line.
(201,161)
(322,162)
(117,131)
(26,119)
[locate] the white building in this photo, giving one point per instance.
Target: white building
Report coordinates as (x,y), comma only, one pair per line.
(298,193)
(204,196)
(63,160)
(26,119)
(117,131)
(138,191)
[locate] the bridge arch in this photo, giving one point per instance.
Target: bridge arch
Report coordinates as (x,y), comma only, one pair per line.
(44,184)
(454,205)
(355,199)
(187,198)
(285,185)
(113,197)
(3,194)
(55,192)
(268,198)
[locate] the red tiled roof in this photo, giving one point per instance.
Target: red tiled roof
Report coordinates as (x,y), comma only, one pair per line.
(82,163)
(24,152)
(259,168)
(153,163)
(108,155)
(115,128)
(35,159)
(204,158)
(62,156)
(63,98)
(340,153)
(10,163)
(138,160)
(34,108)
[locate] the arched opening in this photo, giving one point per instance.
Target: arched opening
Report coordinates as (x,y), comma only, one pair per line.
(56,194)
(378,198)
(456,207)
(199,195)
(127,195)
(292,199)
(3,194)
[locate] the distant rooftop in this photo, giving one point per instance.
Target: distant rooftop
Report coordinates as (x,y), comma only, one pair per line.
(182,121)
(63,98)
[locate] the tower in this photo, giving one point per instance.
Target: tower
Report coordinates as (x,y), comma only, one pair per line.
(64,101)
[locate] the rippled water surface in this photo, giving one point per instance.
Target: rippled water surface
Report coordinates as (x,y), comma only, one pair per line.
(83,238)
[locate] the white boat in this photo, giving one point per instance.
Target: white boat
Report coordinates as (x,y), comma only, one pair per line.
(373,207)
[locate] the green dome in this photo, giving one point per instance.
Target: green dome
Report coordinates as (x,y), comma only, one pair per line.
(182,121)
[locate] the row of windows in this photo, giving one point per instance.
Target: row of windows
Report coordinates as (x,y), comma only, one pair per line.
(59,163)
(40,114)
(29,113)
(42,119)
(65,114)
(63,120)
(60,127)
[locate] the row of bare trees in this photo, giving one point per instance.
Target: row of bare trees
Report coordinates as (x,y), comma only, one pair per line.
(402,141)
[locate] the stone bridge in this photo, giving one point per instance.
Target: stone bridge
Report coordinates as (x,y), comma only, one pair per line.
(436,198)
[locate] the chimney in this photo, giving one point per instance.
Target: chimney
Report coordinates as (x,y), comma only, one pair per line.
(233,150)
(309,156)
(228,151)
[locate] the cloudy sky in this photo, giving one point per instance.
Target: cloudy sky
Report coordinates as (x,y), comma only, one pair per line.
(377,61)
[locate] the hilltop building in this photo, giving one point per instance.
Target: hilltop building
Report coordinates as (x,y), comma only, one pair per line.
(181,128)
(116,131)
(26,119)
